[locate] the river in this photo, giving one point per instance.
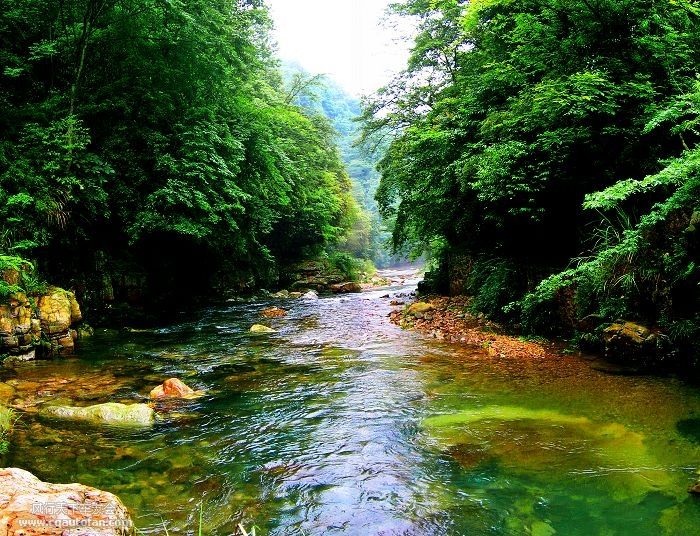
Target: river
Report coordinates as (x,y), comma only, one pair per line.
(342,423)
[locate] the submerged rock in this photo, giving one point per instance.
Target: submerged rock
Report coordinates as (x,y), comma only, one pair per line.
(109,413)
(173,388)
(7,393)
(31,507)
(259,328)
(273,312)
(520,439)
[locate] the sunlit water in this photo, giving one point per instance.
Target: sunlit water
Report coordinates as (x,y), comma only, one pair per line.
(341,423)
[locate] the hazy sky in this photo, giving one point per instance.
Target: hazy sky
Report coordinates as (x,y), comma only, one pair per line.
(345,39)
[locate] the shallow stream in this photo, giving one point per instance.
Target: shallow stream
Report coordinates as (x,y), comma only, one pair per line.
(341,423)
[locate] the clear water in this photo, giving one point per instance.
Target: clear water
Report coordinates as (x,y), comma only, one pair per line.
(343,424)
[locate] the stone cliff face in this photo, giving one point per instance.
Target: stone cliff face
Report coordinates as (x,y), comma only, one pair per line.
(42,324)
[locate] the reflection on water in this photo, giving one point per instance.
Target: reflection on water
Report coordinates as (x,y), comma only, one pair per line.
(342,424)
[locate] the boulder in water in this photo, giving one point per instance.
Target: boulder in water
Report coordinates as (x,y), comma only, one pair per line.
(58,310)
(310,295)
(173,388)
(631,342)
(30,507)
(110,413)
(273,312)
(259,328)
(346,288)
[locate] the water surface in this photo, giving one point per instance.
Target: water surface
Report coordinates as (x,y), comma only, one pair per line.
(343,424)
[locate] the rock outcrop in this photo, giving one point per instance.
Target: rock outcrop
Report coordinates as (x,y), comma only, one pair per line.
(30,507)
(43,323)
(111,413)
(315,275)
(20,329)
(632,342)
(58,310)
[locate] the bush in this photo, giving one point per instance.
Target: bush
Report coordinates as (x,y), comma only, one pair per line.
(17,275)
(350,267)
(7,421)
(493,282)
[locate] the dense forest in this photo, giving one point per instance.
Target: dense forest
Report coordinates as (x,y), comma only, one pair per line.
(541,153)
(154,146)
(545,153)
(194,337)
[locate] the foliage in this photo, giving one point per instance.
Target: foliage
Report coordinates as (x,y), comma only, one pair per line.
(7,422)
(145,131)
(544,134)
(367,238)
(651,268)
(349,266)
(492,283)
(22,277)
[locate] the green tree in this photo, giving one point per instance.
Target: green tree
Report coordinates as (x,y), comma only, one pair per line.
(155,135)
(509,113)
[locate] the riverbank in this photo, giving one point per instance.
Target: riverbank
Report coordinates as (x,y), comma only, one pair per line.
(449,319)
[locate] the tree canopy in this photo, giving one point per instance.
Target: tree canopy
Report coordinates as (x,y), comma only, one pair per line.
(537,135)
(162,129)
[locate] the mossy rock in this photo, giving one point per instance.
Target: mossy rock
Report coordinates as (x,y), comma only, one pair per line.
(58,310)
(419,308)
(112,413)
